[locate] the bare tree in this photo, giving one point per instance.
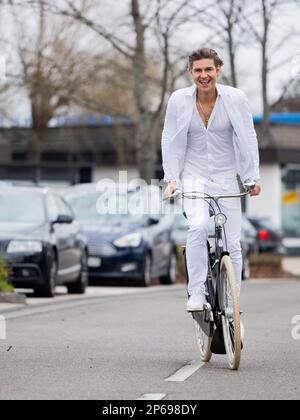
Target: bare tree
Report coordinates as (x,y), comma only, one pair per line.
(157,17)
(108,93)
(52,69)
(289,100)
(266,13)
(228,32)
(3,69)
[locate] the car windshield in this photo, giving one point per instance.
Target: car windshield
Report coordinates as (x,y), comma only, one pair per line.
(94,206)
(21,207)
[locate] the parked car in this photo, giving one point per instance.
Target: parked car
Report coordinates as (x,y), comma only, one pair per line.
(41,241)
(249,235)
(248,239)
(268,237)
(123,244)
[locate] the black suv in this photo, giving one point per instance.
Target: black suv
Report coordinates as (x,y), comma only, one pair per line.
(41,241)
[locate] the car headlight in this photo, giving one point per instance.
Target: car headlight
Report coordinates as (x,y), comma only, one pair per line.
(132,240)
(17,247)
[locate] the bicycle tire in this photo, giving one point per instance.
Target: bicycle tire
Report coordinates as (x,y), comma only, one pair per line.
(204,340)
(203,343)
(232,333)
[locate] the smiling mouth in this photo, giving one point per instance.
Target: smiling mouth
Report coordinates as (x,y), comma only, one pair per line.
(204,83)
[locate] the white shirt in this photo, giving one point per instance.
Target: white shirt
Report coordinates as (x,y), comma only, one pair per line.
(210,151)
(179,113)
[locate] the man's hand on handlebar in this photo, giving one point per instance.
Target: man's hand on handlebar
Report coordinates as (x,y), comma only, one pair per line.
(252,187)
(256,190)
(171,187)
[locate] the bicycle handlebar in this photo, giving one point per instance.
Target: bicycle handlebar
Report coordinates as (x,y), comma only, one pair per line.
(205,196)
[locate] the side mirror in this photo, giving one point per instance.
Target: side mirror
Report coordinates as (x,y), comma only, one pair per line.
(63,218)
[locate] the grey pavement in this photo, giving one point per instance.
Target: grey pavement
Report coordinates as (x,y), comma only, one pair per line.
(62,296)
(291,265)
(124,346)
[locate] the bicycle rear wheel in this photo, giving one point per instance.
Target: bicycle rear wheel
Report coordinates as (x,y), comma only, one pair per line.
(231,322)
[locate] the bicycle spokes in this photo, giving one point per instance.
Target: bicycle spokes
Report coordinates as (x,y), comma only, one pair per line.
(231,313)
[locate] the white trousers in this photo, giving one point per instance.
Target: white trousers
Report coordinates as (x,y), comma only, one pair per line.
(197,212)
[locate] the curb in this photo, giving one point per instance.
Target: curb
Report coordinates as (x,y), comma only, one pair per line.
(17,298)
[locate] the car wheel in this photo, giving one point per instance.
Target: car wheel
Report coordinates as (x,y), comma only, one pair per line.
(170,278)
(147,279)
(246,268)
(48,290)
(81,283)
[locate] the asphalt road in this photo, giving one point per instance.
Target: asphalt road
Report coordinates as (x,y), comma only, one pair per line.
(125,346)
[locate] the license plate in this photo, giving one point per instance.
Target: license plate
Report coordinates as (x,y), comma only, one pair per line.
(94,262)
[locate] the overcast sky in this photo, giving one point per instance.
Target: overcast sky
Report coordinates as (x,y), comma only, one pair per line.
(249,61)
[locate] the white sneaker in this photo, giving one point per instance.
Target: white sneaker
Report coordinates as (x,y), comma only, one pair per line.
(195,303)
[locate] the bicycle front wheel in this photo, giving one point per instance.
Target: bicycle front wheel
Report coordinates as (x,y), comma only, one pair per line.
(203,343)
(231,322)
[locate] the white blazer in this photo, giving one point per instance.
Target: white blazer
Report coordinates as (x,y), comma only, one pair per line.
(178,116)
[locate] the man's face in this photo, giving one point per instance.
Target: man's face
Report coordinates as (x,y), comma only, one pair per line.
(204,74)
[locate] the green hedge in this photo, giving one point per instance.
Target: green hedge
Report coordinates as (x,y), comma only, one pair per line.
(5,286)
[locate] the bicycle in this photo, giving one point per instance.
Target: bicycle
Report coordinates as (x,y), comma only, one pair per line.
(218,326)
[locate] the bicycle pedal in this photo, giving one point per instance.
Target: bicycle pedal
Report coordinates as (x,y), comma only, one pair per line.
(191,312)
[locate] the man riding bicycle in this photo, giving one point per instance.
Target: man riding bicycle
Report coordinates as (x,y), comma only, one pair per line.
(209,139)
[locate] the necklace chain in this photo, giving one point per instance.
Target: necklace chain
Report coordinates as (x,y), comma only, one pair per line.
(204,113)
(206,117)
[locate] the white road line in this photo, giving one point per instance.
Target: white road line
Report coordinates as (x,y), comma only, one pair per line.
(185,372)
(150,397)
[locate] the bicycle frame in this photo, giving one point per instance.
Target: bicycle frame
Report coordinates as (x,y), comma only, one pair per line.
(213,311)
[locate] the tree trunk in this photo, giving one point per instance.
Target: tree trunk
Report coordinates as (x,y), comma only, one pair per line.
(35,146)
(146,153)
(265,71)
(146,147)
(37,103)
(121,146)
(266,107)
(232,61)
(230,29)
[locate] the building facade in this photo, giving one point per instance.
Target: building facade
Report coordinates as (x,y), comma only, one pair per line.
(90,153)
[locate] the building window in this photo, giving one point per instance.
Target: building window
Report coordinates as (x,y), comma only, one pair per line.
(291,201)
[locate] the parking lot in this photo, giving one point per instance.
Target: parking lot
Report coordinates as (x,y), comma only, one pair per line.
(71,236)
(89,349)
